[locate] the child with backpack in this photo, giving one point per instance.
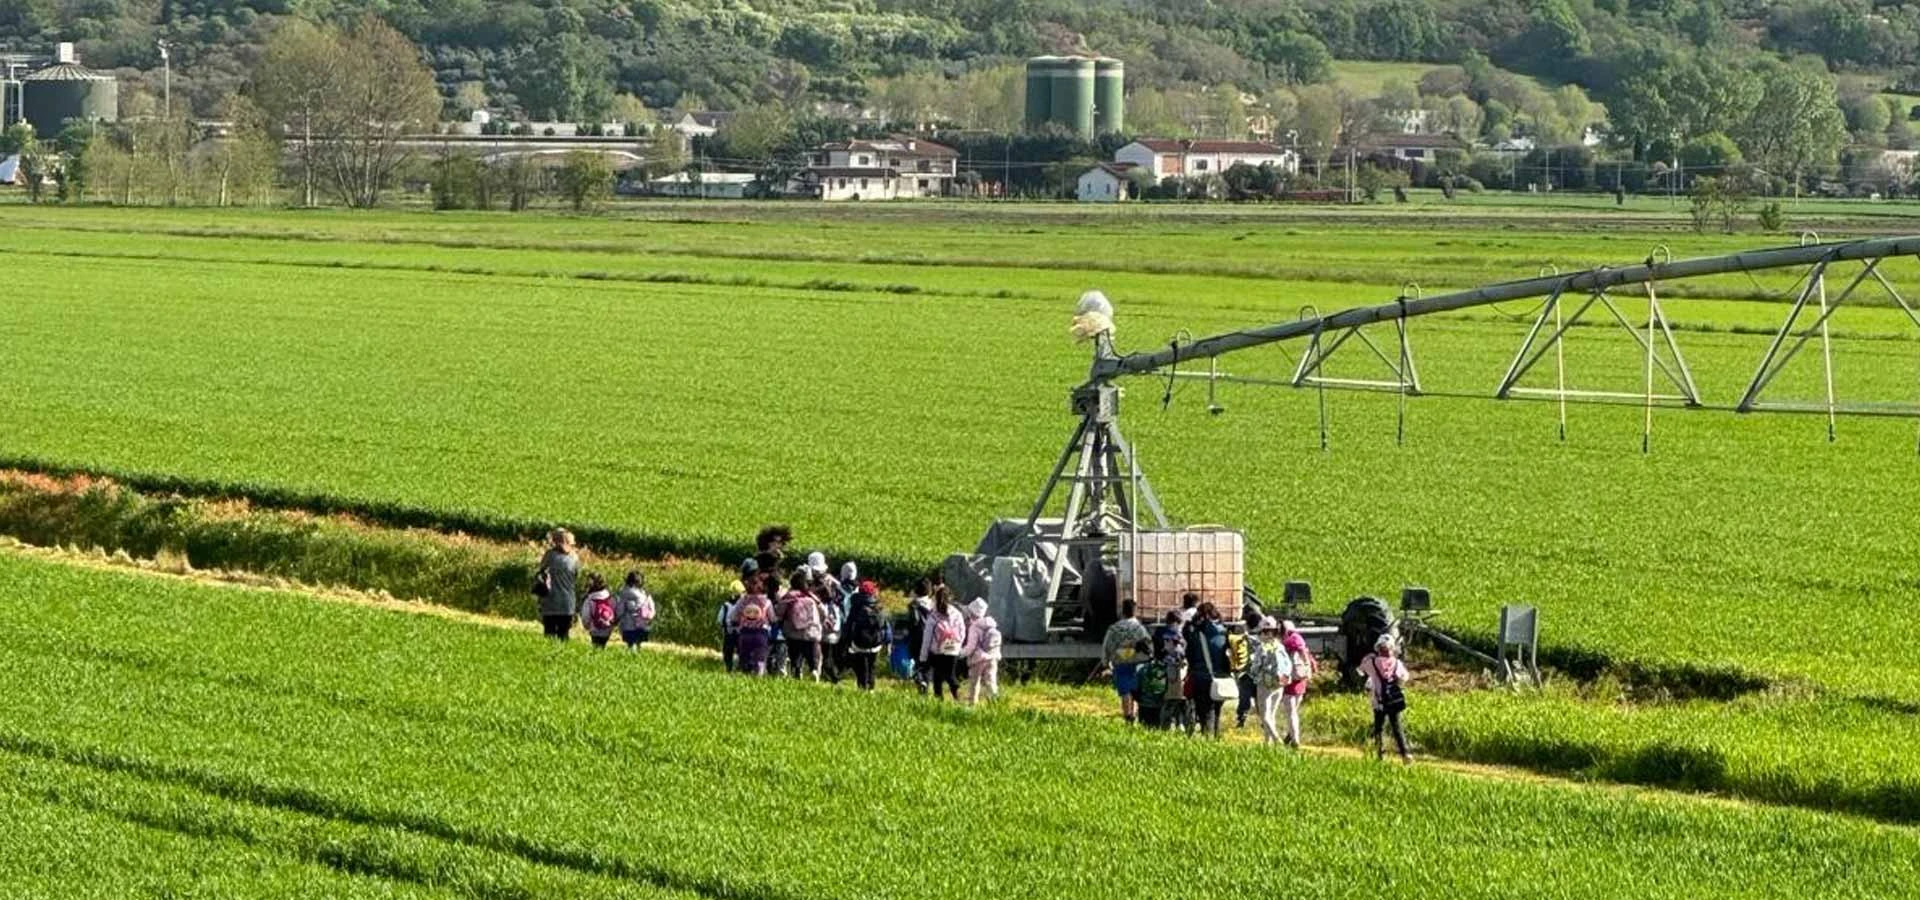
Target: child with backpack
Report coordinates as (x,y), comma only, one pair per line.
(752,615)
(635,609)
(799,615)
(826,594)
(1170,648)
(917,625)
(1270,672)
(1386,680)
(1151,692)
(1240,640)
(729,635)
(1300,671)
(946,637)
(866,633)
(982,650)
(597,612)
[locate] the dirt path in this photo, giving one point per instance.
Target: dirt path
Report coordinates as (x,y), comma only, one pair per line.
(1059,702)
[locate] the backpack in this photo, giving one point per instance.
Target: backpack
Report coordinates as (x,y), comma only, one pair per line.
(803,617)
(1302,667)
(643,611)
(830,621)
(1392,698)
(865,627)
(600,611)
(1153,680)
(988,643)
(1238,652)
(1266,667)
(946,638)
(751,613)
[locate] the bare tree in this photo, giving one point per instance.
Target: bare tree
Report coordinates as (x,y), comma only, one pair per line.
(294,82)
(352,95)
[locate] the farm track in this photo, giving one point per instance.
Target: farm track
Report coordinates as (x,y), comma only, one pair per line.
(1088,704)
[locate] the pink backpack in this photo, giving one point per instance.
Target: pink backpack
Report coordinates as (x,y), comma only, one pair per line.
(600,611)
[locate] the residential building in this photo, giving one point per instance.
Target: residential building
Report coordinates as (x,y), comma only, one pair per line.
(706,123)
(1424,148)
(894,168)
(1107,183)
(1164,157)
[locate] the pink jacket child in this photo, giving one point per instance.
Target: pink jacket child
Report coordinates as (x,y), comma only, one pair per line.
(1299,658)
(982,652)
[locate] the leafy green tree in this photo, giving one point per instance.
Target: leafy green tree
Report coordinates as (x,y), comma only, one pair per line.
(1555,35)
(1291,57)
(1866,115)
(17,136)
(1318,121)
(585,180)
(1710,152)
(1796,126)
(1371,179)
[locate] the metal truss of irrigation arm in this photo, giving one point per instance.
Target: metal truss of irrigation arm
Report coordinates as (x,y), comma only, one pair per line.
(1107,367)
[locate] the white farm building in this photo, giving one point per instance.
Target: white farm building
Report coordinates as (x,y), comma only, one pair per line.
(1185,158)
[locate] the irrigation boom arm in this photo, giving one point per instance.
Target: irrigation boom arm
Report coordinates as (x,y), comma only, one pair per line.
(1109,500)
(1107,367)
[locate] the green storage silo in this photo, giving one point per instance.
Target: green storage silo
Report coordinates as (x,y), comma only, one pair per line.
(1072,95)
(1040,91)
(1109,95)
(68,92)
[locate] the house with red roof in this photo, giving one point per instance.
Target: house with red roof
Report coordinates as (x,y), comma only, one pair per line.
(1163,157)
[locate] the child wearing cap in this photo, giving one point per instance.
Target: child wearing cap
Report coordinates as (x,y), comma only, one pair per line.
(982,651)
(1386,676)
(1268,669)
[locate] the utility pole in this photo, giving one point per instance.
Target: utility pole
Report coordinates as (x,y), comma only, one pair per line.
(1352,155)
(166,81)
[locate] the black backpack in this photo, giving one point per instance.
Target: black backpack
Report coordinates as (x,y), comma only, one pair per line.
(1393,699)
(864,627)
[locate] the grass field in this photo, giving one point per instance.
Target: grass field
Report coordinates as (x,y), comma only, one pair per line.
(201,747)
(888,380)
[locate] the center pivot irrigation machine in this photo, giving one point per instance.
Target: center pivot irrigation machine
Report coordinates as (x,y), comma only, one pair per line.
(1057,582)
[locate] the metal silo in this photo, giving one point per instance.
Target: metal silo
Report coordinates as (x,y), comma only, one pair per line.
(68,92)
(1072,95)
(1040,91)
(1109,95)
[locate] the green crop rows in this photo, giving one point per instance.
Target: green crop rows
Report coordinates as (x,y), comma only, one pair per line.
(209,743)
(887,384)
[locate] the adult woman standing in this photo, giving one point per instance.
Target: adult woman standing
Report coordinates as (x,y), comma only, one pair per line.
(1208,669)
(555,584)
(946,634)
(1386,680)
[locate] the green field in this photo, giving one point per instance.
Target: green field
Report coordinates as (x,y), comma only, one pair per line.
(201,747)
(889,379)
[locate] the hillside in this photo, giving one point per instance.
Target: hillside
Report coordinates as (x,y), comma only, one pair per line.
(571,59)
(201,744)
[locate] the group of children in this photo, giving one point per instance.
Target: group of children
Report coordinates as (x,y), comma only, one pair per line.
(820,625)
(811,624)
(1182,674)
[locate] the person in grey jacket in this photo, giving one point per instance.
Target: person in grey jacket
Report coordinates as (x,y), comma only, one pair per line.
(560,568)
